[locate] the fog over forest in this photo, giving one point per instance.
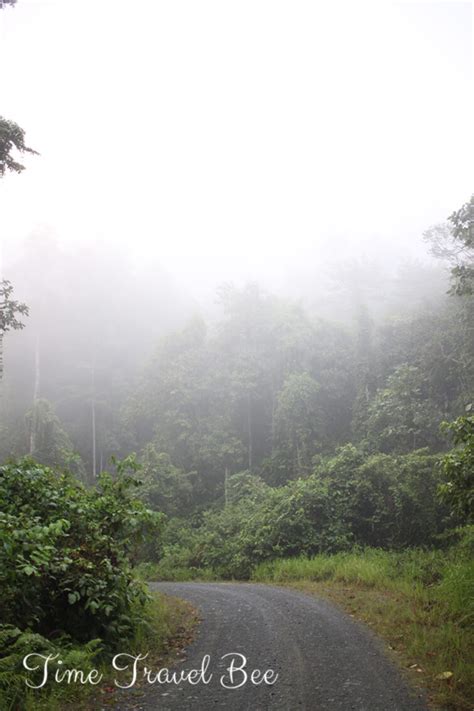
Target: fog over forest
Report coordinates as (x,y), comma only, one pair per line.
(237,344)
(182,156)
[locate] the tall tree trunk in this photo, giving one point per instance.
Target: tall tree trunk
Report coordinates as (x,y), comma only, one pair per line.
(273,416)
(1,332)
(249,430)
(298,457)
(36,393)
(226,483)
(94,433)
(2,404)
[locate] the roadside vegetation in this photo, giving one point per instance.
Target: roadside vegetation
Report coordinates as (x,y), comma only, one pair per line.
(66,583)
(415,588)
(168,626)
(325,443)
(274,444)
(420,601)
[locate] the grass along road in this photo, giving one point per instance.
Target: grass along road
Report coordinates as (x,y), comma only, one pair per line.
(420,602)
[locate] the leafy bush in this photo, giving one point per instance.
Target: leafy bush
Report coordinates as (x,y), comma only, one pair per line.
(65,553)
(259,523)
(386,500)
(351,499)
(458,489)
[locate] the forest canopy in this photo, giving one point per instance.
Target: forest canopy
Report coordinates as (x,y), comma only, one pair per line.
(265,385)
(230,352)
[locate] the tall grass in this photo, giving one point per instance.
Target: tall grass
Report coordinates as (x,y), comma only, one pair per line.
(449,579)
(422,602)
(370,567)
(165,572)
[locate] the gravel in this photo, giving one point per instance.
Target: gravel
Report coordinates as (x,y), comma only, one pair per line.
(325,661)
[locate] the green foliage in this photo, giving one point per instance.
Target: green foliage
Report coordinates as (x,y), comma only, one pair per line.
(448,573)
(369,567)
(12,138)
(166,620)
(52,444)
(246,394)
(458,467)
(454,243)
(16,644)
(168,571)
(164,487)
(269,390)
(259,523)
(420,601)
(350,499)
(401,416)
(385,500)
(65,552)
(10,309)
(457,583)
(462,230)
(298,422)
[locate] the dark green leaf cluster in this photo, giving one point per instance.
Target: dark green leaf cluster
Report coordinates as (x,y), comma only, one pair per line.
(458,467)
(65,553)
(10,309)
(12,138)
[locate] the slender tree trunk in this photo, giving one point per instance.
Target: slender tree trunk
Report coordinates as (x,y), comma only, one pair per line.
(1,332)
(249,430)
(273,415)
(2,404)
(36,393)
(1,356)
(94,434)
(298,457)
(226,483)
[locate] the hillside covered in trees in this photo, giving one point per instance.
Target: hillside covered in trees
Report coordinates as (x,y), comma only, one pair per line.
(263,426)
(236,341)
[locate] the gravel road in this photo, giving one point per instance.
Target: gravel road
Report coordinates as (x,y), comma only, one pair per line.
(324,660)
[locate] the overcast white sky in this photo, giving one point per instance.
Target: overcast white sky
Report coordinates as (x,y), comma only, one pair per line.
(226,131)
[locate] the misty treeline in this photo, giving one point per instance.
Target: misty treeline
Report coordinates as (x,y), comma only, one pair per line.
(263,424)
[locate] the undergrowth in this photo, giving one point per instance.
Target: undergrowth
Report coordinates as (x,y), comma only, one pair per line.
(167,622)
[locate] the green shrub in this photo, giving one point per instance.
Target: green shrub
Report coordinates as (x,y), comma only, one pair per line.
(458,466)
(351,499)
(65,553)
